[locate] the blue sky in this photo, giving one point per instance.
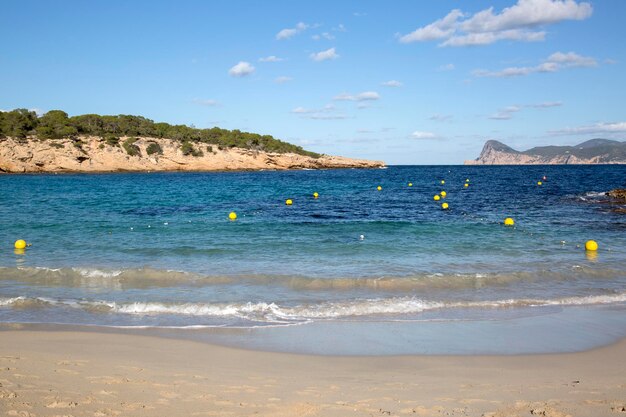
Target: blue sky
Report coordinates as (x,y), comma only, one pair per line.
(407,82)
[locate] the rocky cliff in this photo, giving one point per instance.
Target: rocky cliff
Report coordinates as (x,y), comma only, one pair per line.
(92,154)
(595,151)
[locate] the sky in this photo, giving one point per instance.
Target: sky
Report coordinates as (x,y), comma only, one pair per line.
(407,82)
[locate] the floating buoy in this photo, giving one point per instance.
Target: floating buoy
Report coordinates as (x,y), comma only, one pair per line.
(362,237)
(436,198)
(379,188)
(591,245)
(20,244)
(466,185)
(509,221)
(232,215)
(539,183)
(315,195)
(444,206)
(410,184)
(443,194)
(467,180)
(288,202)
(443,182)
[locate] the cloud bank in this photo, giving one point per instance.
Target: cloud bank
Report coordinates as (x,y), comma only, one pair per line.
(519,22)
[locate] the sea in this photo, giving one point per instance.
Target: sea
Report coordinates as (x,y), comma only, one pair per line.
(355,271)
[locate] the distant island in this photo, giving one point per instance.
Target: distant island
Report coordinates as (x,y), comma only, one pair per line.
(56,142)
(594,151)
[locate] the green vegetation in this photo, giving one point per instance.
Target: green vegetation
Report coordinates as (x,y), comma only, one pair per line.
(112,140)
(188,149)
(56,124)
(130,147)
(154,148)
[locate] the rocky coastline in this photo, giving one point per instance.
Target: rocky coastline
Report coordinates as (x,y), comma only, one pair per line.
(93,154)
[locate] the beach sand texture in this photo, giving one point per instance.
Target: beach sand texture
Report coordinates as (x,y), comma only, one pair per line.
(91,374)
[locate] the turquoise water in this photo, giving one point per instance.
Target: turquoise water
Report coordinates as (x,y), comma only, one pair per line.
(157,250)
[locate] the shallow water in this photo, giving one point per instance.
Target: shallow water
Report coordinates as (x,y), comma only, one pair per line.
(158,250)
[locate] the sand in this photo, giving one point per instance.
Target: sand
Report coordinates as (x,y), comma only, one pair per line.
(54,373)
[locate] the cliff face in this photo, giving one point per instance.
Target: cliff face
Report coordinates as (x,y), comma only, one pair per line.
(96,156)
(595,151)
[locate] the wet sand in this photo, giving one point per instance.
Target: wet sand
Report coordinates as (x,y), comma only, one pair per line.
(46,373)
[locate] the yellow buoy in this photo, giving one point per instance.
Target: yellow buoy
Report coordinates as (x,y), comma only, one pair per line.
(436,198)
(232,215)
(591,245)
(410,184)
(379,188)
(539,183)
(20,244)
(466,185)
(444,194)
(443,182)
(444,206)
(315,195)
(288,202)
(509,221)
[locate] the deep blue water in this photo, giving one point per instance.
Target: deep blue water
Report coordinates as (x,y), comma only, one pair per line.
(158,249)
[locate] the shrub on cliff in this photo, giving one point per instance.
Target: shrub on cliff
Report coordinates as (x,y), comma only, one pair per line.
(154,148)
(188,149)
(130,147)
(112,140)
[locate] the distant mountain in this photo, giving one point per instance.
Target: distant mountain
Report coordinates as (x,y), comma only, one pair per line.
(594,151)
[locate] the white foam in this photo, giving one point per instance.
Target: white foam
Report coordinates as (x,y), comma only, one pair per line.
(274,313)
(97,273)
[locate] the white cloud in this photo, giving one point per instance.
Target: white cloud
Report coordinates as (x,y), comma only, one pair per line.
(507,113)
(446,67)
(571,59)
(359,14)
(361,131)
(340,28)
(328,112)
(271,58)
(206,102)
(242,69)
(518,23)
(440,117)
(423,135)
(546,104)
(324,55)
(364,96)
(392,83)
(439,29)
(602,128)
(291,32)
(487,38)
(324,35)
(282,79)
(555,62)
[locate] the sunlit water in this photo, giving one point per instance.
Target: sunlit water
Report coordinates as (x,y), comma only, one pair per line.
(390,270)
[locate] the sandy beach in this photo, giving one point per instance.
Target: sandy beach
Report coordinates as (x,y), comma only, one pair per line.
(49,373)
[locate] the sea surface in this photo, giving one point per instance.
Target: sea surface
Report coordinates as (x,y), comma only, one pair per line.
(355,271)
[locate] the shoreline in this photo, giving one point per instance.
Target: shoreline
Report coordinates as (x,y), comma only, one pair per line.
(96,374)
(95,155)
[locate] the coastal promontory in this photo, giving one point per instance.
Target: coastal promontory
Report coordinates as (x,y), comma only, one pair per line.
(594,151)
(56,142)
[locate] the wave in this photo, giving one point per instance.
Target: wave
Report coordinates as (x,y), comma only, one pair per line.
(120,279)
(274,312)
